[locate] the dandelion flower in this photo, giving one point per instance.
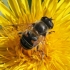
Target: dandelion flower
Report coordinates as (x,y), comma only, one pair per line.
(16,17)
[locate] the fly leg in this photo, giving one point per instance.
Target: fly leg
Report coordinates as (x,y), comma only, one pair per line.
(42,54)
(51,32)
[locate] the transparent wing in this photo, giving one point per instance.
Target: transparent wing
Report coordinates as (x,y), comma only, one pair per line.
(36,43)
(7,29)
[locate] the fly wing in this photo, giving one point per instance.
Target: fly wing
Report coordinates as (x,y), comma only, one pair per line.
(40,39)
(18,28)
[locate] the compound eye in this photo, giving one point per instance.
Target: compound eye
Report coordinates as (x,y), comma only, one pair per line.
(48,22)
(44,18)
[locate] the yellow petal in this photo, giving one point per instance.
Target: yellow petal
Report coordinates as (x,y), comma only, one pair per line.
(39,12)
(33,10)
(14,7)
(60,3)
(36,9)
(67,11)
(3,21)
(6,11)
(45,4)
(26,6)
(63,10)
(51,8)
(58,66)
(63,21)
(42,67)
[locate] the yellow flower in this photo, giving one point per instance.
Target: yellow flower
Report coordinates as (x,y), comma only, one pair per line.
(17,17)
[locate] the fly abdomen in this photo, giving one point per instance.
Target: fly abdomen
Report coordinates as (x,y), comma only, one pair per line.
(27,38)
(25,43)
